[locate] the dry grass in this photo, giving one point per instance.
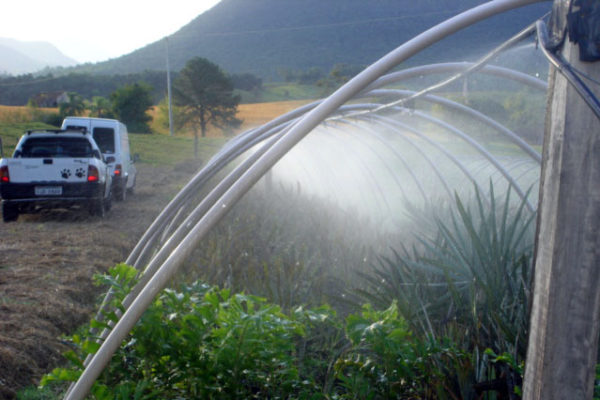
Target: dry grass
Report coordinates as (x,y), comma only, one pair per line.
(47,262)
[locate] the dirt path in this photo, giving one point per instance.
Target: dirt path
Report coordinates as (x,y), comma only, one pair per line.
(46,266)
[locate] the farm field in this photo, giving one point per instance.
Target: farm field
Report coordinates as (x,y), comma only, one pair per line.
(47,260)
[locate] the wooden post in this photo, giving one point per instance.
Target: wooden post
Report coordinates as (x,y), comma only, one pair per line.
(564,328)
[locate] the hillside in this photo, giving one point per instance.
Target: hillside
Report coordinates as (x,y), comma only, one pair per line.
(266,37)
(18,57)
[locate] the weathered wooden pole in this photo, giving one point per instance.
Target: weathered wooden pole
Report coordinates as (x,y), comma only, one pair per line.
(565,318)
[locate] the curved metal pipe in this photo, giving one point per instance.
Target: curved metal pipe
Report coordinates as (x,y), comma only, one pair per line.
(455,67)
(398,155)
(482,151)
(450,156)
(510,135)
(264,163)
(565,69)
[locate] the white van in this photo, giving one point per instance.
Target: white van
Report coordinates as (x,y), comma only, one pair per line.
(111,136)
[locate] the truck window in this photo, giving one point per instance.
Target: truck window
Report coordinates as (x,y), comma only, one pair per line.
(105,138)
(56,147)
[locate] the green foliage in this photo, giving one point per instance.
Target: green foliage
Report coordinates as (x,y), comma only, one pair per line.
(130,104)
(19,89)
(387,361)
(339,74)
(75,105)
(526,114)
(470,281)
(200,342)
(100,107)
(275,244)
(162,116)
(247,82)
(205,94)
(205,342)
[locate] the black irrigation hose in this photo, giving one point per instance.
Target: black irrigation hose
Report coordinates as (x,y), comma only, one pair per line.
(566,70)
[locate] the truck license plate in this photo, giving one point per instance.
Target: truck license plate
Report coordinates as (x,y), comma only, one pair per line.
(48,190)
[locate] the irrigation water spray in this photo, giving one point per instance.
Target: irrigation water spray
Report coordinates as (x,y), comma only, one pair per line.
(374,160)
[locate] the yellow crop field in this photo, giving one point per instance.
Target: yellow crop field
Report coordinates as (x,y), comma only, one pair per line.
(17,114)
(252,115)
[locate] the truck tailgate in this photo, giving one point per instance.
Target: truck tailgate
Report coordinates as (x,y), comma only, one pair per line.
(33,170)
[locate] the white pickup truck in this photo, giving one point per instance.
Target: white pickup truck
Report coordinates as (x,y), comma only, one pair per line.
(54,169)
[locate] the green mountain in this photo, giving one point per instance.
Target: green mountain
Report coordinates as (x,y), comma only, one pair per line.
(266,37)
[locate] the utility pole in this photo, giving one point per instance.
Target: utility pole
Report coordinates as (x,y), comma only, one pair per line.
(169,89)
(565,316)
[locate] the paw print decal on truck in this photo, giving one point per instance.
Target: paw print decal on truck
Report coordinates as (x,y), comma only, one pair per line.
(65,173)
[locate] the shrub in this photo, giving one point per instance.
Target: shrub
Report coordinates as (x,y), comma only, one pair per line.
(387,361)
(469,280)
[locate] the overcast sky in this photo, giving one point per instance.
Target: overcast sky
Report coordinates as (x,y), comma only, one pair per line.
(91,31)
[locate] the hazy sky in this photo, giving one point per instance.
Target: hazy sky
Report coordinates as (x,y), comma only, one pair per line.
(96,30)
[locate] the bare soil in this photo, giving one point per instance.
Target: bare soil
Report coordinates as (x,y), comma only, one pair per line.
(47,262)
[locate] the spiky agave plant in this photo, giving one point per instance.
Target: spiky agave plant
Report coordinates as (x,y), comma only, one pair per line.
(469,280)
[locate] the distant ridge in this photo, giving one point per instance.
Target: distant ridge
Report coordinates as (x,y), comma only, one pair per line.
(265,37)
(18,57)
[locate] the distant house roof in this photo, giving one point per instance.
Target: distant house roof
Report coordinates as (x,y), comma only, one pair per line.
(49,99)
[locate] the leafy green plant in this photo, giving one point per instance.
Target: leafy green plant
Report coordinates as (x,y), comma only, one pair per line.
(470,279)
(199,342)
(387,361)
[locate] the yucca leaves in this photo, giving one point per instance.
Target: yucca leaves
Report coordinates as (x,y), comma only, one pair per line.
(471,276)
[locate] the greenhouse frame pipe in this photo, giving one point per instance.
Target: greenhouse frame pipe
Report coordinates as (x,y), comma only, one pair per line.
(366,168)
(200,177)
(473,144)
(474,67)
(184,228)
(264,163)
(418,71)
(144,253)
(565,69)
(398,155)
(226,160)
(481,150)
(431,69)
(453,67)
(477,115)
(365,165)
(401,135)
(456,161)
(215,165)
(252,138)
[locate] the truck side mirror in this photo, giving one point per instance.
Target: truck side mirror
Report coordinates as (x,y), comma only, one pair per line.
(136,157)
(110,159)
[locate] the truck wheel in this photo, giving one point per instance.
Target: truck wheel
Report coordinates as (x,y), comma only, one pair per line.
(108,202)
(10,212)
(121,194)
(131,190)
(98,207)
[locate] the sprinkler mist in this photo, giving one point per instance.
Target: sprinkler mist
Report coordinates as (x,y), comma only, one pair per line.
(377,147)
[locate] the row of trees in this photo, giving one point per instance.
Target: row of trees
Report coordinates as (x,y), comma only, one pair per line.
(203,95)
(128,104)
